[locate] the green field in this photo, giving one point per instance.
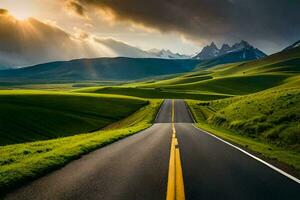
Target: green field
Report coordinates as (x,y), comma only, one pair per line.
(36,115)
(155,93)
(23,162)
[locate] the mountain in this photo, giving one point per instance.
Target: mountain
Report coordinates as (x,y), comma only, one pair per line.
(121,49)
(208,52)
(119,68)
(241,51)
(166,54)
(287,61)
(295,45)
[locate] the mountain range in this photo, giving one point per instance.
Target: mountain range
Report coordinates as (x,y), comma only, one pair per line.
(125,68)
(241,51)
(104,47)
(295,45)
(167,54)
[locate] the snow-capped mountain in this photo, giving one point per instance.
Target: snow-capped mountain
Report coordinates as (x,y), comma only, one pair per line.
(295,45)
(166,54)
(243,50)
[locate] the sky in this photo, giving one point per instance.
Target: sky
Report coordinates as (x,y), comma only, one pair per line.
(66,29)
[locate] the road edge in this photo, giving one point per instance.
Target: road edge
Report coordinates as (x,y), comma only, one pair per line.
(252,156)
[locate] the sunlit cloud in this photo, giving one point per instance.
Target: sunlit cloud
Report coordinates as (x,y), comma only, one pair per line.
(30,41)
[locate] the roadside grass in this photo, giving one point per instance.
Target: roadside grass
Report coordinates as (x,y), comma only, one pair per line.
(21,163)
(38,115)
(266,122)
(272,116)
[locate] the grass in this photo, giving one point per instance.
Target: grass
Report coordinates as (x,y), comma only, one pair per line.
(283,62)
(21,163)
(38,115)
(234,85)
(216,82)
(272,116)
(55,86)
(156,93)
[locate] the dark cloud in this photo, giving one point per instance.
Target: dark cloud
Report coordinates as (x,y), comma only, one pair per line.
(221,20)
(76,7)
(3,11)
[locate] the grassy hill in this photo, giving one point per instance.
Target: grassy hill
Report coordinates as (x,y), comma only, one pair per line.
(220,81)
(155,93)
(272,115)
(233,85)
(283,62)
(36,115)
(237,78)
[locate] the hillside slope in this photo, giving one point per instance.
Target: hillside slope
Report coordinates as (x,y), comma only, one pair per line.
(99,69)
(287,61)
(272,115)
(237,78)
(34,115)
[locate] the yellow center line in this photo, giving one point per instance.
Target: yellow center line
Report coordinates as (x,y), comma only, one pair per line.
(175,189)
(173,112)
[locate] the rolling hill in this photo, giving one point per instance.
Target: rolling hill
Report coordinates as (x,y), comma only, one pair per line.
(221,81)
(36,115)
(287,62)
(98,69)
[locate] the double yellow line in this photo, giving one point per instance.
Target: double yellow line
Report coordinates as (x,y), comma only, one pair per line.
(175,188)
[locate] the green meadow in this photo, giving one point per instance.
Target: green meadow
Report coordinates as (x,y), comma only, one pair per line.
(38,115)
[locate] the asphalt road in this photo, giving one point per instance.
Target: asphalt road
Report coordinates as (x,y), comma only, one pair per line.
(137,168)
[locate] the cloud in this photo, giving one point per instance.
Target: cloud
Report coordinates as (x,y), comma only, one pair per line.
(206,20)
(31,41)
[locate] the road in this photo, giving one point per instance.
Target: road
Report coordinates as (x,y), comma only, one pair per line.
(138,168)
